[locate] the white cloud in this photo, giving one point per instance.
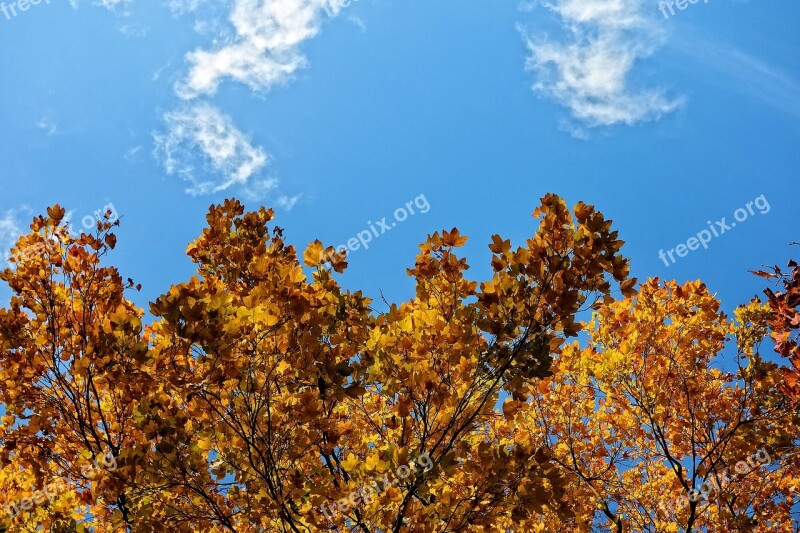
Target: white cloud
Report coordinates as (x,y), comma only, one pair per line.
(48,125)
(358,22)
(590,74)
(200,140)
(157,74)
(133,30)
(180,7)
(131,154)
(10,230)
(261,189)
(113,5)
(262,52)
(288,202)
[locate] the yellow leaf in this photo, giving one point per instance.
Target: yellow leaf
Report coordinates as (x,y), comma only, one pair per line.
(313,255)
(350,463)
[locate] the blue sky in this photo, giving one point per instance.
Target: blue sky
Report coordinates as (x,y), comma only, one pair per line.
(339,115)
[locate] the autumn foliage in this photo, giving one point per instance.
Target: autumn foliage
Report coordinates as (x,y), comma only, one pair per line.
(785,324)
(260,396)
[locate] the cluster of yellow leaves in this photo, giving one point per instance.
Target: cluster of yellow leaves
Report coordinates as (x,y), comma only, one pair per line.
(73,365)
(651,408)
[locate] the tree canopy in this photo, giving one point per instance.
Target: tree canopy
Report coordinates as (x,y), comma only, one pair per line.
(261,396)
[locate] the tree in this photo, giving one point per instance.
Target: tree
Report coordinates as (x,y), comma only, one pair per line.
(659,431)
(264,397)
(785,324)
(300,395)
(73,364)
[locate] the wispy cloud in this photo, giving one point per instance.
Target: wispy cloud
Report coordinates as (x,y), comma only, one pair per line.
(49,126)
(590,72)
(745,73)
(157,74)
(203,146)
(263,51)
(288,202)
(133,30)
(267,188)
(180,7)
(358,22)
(117,6)
(10,230)
(260,188)
(224,151)
(114,5)
(132,154)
